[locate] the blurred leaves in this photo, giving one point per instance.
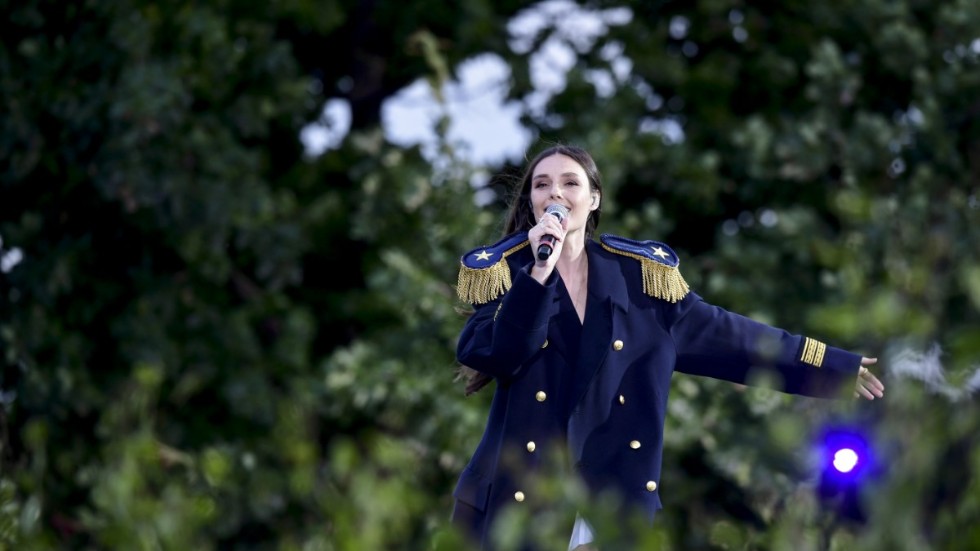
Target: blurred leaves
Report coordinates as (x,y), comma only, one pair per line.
(213,341)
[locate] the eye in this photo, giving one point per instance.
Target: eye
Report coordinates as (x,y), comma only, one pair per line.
(540,184)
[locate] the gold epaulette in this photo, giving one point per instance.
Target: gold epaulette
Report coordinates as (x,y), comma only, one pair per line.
(483,272)
(659,265)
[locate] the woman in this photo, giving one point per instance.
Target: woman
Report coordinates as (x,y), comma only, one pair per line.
(582,344)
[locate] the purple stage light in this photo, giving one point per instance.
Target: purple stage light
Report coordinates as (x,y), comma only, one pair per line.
(846,455)
(845,459)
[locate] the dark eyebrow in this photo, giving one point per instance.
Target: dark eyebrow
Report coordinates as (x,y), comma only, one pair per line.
(565,175)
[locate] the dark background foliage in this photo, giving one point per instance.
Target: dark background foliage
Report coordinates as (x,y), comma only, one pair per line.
(212,340)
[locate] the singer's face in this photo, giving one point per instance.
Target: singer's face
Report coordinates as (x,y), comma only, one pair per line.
(560,179)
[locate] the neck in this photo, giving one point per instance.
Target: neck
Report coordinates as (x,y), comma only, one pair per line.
(573,257)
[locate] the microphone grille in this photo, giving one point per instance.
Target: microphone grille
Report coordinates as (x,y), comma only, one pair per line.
(558,210)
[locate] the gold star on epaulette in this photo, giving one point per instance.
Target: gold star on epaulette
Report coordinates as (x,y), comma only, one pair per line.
(658,263)
(484,274)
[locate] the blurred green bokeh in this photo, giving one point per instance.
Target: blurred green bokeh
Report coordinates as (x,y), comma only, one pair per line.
(210,339)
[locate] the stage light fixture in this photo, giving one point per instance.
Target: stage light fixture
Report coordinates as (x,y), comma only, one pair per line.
(845,461)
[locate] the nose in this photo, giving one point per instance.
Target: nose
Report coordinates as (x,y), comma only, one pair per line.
(556,191)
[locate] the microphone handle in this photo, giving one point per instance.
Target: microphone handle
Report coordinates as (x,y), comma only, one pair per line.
(545,249)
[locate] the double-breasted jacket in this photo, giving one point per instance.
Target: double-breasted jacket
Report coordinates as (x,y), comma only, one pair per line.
(598,389)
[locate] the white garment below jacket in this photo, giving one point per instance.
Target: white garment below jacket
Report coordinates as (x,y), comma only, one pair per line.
(581,533)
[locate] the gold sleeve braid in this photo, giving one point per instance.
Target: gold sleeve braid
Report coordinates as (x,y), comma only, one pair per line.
(813,352)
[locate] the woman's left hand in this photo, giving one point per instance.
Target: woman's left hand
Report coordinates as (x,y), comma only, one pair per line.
(868,386)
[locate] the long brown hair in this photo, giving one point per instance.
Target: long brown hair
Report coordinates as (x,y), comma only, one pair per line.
(521,218)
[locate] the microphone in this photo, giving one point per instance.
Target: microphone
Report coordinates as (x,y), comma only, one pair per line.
(545,249)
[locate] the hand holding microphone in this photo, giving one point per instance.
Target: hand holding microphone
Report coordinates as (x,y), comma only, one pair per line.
(547,241)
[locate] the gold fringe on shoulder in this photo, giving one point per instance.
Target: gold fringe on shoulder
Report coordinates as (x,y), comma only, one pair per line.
(659,280)
(481,285)
(663,282)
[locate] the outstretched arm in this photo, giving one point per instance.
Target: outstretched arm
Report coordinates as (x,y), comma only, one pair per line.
(716,343)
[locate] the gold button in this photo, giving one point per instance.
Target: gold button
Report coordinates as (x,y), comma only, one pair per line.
(540,396)
(617,344)
(519,496)
(545,345)
(622,399)
(635,444)
(531,446)
(651,486)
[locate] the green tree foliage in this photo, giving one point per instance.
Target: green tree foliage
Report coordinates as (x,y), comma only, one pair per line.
(214,341)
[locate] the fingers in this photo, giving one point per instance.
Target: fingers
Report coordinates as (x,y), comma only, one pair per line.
(550,224)
(863,392)
(868,385)
(870,381)
(873,387)
(874,384)
(547,225)
(547,230)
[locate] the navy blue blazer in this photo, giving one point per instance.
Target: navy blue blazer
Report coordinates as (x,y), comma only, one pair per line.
(596,390)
